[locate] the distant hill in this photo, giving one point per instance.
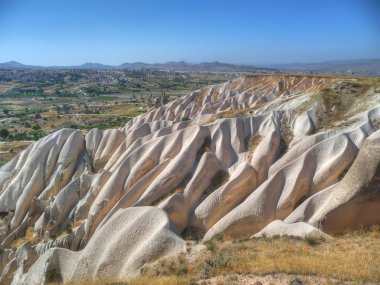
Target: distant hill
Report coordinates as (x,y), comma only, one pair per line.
(15,64)
(90,65)
(359,67)
(169,66)
(199,67)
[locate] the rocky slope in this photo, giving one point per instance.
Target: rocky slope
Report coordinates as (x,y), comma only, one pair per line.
(230,159)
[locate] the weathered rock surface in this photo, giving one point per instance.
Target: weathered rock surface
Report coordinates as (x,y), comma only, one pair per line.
(298,229)
(228,159)
(122,246)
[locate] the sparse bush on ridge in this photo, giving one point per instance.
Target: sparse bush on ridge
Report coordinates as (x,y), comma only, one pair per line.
(69,229)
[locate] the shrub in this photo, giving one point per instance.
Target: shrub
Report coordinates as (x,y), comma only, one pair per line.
(295,281)
(205,272)
(181,270)
(312,241)
(69,229)
(218,237)
(4,133)
(188,237)
(53,275)
(220,262)
(28,135)
(210,246)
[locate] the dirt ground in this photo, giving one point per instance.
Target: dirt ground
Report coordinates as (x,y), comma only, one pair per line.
(9,150)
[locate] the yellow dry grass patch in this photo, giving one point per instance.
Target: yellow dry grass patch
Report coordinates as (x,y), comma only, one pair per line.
(126,110)
(344,262)
(49,113)
(9,150)
(253,142)
(27,239)
(228,114)
(341,99)
(351,257)
(78,223)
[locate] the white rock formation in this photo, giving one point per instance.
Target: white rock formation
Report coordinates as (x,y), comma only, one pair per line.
(298,229)
(227,159)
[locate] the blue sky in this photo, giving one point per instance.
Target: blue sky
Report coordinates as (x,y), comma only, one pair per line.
(68,32)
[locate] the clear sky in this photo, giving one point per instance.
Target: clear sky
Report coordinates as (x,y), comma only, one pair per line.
(70,32)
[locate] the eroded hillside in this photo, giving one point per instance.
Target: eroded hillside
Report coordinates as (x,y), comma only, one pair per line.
(230,159)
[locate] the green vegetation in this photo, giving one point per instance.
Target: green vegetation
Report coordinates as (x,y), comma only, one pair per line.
(37,102)
(4,133)
(6,111)
(27,135)
(69,229)
(53,275)
(110,123)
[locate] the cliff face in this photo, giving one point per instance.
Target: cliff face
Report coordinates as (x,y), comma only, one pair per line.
(229,159)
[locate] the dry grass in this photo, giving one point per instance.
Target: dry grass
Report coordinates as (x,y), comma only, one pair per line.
(9,150)
(78,223)
(286,135)
(201,96)
(253,142)
(229,114)
(125,110)
(351,257)
(341,99)
(27,239)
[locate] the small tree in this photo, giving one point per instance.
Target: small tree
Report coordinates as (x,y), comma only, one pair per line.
(36,127)
(4,133)
(6,111)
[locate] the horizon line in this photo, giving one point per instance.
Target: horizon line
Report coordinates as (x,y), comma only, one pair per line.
(191,63)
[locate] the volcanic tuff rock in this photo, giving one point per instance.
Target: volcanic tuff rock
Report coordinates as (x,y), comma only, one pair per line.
(228,159)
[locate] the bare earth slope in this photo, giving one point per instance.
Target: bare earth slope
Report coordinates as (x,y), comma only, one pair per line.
(229,159)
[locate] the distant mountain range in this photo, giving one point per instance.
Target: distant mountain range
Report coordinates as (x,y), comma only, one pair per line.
(359,67)
(169,66)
